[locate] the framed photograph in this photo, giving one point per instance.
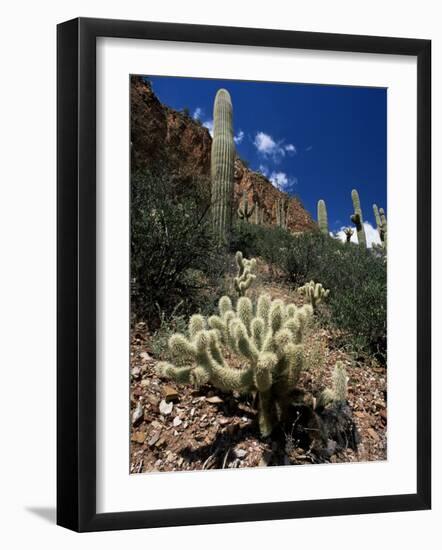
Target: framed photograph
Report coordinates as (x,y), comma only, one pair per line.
(243,274)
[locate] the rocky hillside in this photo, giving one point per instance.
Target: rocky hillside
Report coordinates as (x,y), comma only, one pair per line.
(160,134)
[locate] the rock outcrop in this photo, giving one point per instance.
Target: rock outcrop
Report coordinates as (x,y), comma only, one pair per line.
(160,134)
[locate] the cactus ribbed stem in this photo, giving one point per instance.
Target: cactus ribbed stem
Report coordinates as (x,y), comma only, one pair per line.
(281,212)
(357,219)
(381,223)
(322,217)
(222,166)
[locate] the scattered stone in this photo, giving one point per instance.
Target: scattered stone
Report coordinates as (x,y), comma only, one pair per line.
(155,437)
(177,421)
(139,437)
(153,399)
(160,442)
(137,415)
(145,382)
(156,424)
(136,371)
(165,407)
(170,394)
(145,356)
(214,399)
(192,411)
(373,434)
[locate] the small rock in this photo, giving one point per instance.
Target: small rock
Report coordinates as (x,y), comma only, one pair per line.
(145,356)
(165,407)
(145,382)
(136,371)
(156,424)
(160,442)
(170,394)
(155,437)
(223,421)
(139,437)
(214,399)
(373,434)
(137,415)
(240,453)
(192,411)
(177,421)
(153,400)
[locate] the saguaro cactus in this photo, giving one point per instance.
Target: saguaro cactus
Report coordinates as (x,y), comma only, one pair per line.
(281,212)
(357,219)
(322,217)
(245,211)
(381,222)
(348,231)
(222,166)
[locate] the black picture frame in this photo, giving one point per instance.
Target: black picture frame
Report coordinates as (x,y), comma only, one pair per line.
(77,287)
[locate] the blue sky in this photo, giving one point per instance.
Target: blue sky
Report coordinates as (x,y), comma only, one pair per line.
(313,141)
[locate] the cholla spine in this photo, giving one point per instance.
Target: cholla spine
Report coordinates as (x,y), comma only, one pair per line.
(245,275)
(245,211)
(222,166)
(357,219)
(322,217)
(315,293)
(348,232)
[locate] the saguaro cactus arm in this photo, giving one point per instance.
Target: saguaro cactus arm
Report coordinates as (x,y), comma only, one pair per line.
(222,166)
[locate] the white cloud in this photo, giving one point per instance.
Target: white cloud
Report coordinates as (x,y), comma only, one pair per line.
(239,137)
(290,148)
(371,235)
(269,148)
(197,113)
(282,181)
(209,125)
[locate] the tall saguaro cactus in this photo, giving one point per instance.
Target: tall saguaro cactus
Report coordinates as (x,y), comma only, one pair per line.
(357,219)
(222,166)
(381,223)
(322,217)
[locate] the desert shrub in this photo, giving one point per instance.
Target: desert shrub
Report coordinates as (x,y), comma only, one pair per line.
(356,277)
(173,256)
(357,280)
(269,243)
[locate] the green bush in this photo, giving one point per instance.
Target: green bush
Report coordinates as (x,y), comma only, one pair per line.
(174,259)
(356,277)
